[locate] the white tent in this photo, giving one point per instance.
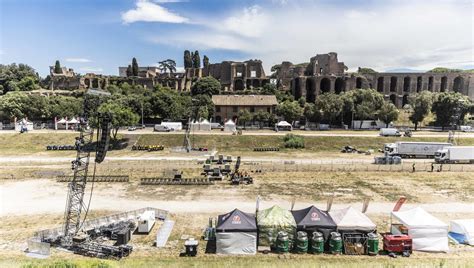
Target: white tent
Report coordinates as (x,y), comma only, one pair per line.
(230,126)
(350,219)
(463,228)
(62,121)
(203,125)
(73,121)
(428,233)
(283,125)
(23,123)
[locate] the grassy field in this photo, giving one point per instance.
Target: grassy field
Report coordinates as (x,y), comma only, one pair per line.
(37,142)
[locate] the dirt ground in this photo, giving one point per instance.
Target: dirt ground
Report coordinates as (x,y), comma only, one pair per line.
(32,199)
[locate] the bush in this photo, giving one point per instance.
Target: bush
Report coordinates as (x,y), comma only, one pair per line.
(293,141)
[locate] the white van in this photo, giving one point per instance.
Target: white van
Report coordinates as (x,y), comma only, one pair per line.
(389,132)
(161,128)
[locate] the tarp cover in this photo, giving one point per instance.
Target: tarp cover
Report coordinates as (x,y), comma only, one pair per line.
(283,124)
(350,219)
(428,233)
(236,221)
(272,220)
(313,219)
(464,228)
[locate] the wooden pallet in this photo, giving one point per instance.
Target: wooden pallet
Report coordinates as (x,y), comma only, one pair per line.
(170,181)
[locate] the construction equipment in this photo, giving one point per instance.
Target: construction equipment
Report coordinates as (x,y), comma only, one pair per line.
(176,179)
(239,177)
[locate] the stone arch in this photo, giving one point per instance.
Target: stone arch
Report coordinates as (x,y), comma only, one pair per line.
(339,85)
(87,83)
(393,99)
(406,84)
(380,84)
(393,84)
(458,84)
(404,100)
(310,90)
(444,84)
(248,83)
(325,85)
(358,82)
(95,83)
(419,83)
(238,85)
(430,83)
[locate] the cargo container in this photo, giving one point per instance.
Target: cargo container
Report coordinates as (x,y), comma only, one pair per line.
(407,149)
(146,221)
(455,154)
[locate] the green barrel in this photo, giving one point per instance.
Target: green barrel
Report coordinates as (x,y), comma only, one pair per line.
(335,243)
(317,243)
(372,244)
(301,242)
(282,242)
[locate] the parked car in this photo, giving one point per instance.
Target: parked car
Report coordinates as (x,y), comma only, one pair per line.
(161,128)
(387,132)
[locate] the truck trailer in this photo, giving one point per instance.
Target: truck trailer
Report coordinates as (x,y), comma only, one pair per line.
(455,154)
(406,149)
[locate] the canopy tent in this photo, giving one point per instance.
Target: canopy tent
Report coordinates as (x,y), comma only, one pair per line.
(312,219)
(350,219)
(272,220)
(230,126)
(283,125)
(73,121)
(462,231)
(23,124)
(203,125)
(236,233)
(62,121)
(428,233)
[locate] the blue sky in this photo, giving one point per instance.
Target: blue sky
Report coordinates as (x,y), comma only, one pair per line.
(100,35)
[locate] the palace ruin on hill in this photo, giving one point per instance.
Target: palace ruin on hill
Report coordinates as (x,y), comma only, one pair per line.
(324,73)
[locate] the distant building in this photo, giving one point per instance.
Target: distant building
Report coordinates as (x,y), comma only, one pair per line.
(237,76)
(65,72)
(144,72)
(228,106)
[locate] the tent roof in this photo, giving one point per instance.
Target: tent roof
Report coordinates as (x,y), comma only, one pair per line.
(283,123)
(73,121)
(418,217)
(229,122)
(352,219)
(312,217)
(62,121)
(236,220)
(275,216)
(205,121)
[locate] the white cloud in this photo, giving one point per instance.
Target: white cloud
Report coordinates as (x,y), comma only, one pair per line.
(151,12)
(92,69)
(417,34)
(78,60)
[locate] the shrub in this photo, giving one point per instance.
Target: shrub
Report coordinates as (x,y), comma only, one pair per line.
(293,141)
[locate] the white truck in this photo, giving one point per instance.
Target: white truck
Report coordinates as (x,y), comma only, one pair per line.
(455,154)
(406,149)
(386,132)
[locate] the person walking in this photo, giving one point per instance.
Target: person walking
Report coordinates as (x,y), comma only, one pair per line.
(413,167)
(432,167)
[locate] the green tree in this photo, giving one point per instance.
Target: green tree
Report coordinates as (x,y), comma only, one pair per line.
(129,71)
(134,67)
(290,111)
(13,104)
(366,71)
(261,116)
(450,108)
(196,60)
(421,105)
(57,67)
(15,77)
(188,61)
(365,102)
(244,116)
(388,113)
(168,64)
(122,116)
(27,84)
(205,61)
(206,86)
(203,102)
(331,106)
(312,113)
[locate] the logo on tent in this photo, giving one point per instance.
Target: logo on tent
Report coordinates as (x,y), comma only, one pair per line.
(315,216)
(236,220)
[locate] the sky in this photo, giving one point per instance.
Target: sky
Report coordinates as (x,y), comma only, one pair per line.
(101,35)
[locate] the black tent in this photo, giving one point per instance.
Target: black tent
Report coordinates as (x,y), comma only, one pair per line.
(236,233)
(312,219)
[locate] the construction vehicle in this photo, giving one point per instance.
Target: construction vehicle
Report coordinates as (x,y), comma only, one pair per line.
(238,176)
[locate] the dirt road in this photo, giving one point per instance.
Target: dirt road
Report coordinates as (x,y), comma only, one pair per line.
(32,197)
